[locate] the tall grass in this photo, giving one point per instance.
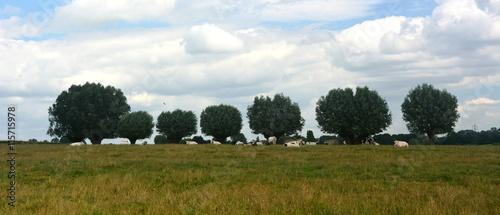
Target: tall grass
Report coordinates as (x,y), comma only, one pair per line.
(226,179)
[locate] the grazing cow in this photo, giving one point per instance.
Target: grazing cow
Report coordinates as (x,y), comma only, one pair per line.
(311,143)
(77,144)
(144,142)
(400,143)
(332,142)
(293,143)
(191,143)
(215,142)
(239,143)
(124,142)
(272,140)
(369,141)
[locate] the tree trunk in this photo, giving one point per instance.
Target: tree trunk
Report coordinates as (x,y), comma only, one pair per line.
(431,138)
(95,141)
(132,141)
(221,139)
(358,140)
(348,140)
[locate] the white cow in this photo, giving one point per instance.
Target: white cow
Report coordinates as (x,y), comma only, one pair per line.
(124,142)
(259,143)
(239,143)
(191,143)
(272,140)
(144,142)
(293,143)
(215,142)
(400,143)
(77,144)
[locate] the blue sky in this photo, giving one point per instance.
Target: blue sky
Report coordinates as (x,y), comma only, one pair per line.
(192,54)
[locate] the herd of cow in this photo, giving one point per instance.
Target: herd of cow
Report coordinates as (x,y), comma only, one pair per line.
(273,140)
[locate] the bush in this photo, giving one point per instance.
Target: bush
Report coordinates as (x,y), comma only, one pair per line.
(160,139)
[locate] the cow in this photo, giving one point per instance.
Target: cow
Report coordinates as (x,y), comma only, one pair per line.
(311,143)
(272,140)
(215,142)
(191,143)
(239,143)
(369,141)
(124,142)
(294,143)
(77,144)
(400,143)
(144,142)
(332,142)
(259,143)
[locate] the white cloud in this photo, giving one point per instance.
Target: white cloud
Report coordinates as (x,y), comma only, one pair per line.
(9,10)
(238,60)
(94,13)
(483,101)
(208,38)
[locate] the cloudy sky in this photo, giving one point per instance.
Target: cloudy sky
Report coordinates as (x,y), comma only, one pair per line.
(192,54)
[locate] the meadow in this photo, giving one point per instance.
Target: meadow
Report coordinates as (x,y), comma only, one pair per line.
(228,179)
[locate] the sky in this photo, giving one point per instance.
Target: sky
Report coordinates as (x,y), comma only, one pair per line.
(193,54)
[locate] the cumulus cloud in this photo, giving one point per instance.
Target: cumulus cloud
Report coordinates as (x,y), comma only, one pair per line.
(189,65)
(483,101)
(208,38)
(94,13)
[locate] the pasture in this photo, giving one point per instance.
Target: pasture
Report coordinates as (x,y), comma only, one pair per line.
(228,179)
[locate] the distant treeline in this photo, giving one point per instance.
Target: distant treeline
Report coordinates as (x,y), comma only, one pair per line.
(463,137)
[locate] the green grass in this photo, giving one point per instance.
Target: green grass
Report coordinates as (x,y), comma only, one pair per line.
(226,179)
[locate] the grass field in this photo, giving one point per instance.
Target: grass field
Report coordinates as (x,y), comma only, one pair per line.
(226,179)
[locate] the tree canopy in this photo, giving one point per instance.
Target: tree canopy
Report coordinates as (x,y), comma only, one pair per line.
(353,116)
(87,111)
(430,111)
(221,121)
(135,125)
(177,124)
(274,117)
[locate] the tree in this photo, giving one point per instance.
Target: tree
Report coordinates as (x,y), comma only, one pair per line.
(135,125)
(177,124)
(352,116)
(430,111)
(276,117)
(87,111)
(221,121)
(310,136)
(160,139)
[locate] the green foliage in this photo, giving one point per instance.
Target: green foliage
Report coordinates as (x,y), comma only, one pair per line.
(87,111)
(221,121)
(310,136)
(238,137)
(430,111)
(177,124)
(54,140)
(135,125)
(160,139)
(276,117)
(470,137)
(353,116)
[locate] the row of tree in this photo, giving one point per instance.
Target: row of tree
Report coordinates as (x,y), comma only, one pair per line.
(97,112)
